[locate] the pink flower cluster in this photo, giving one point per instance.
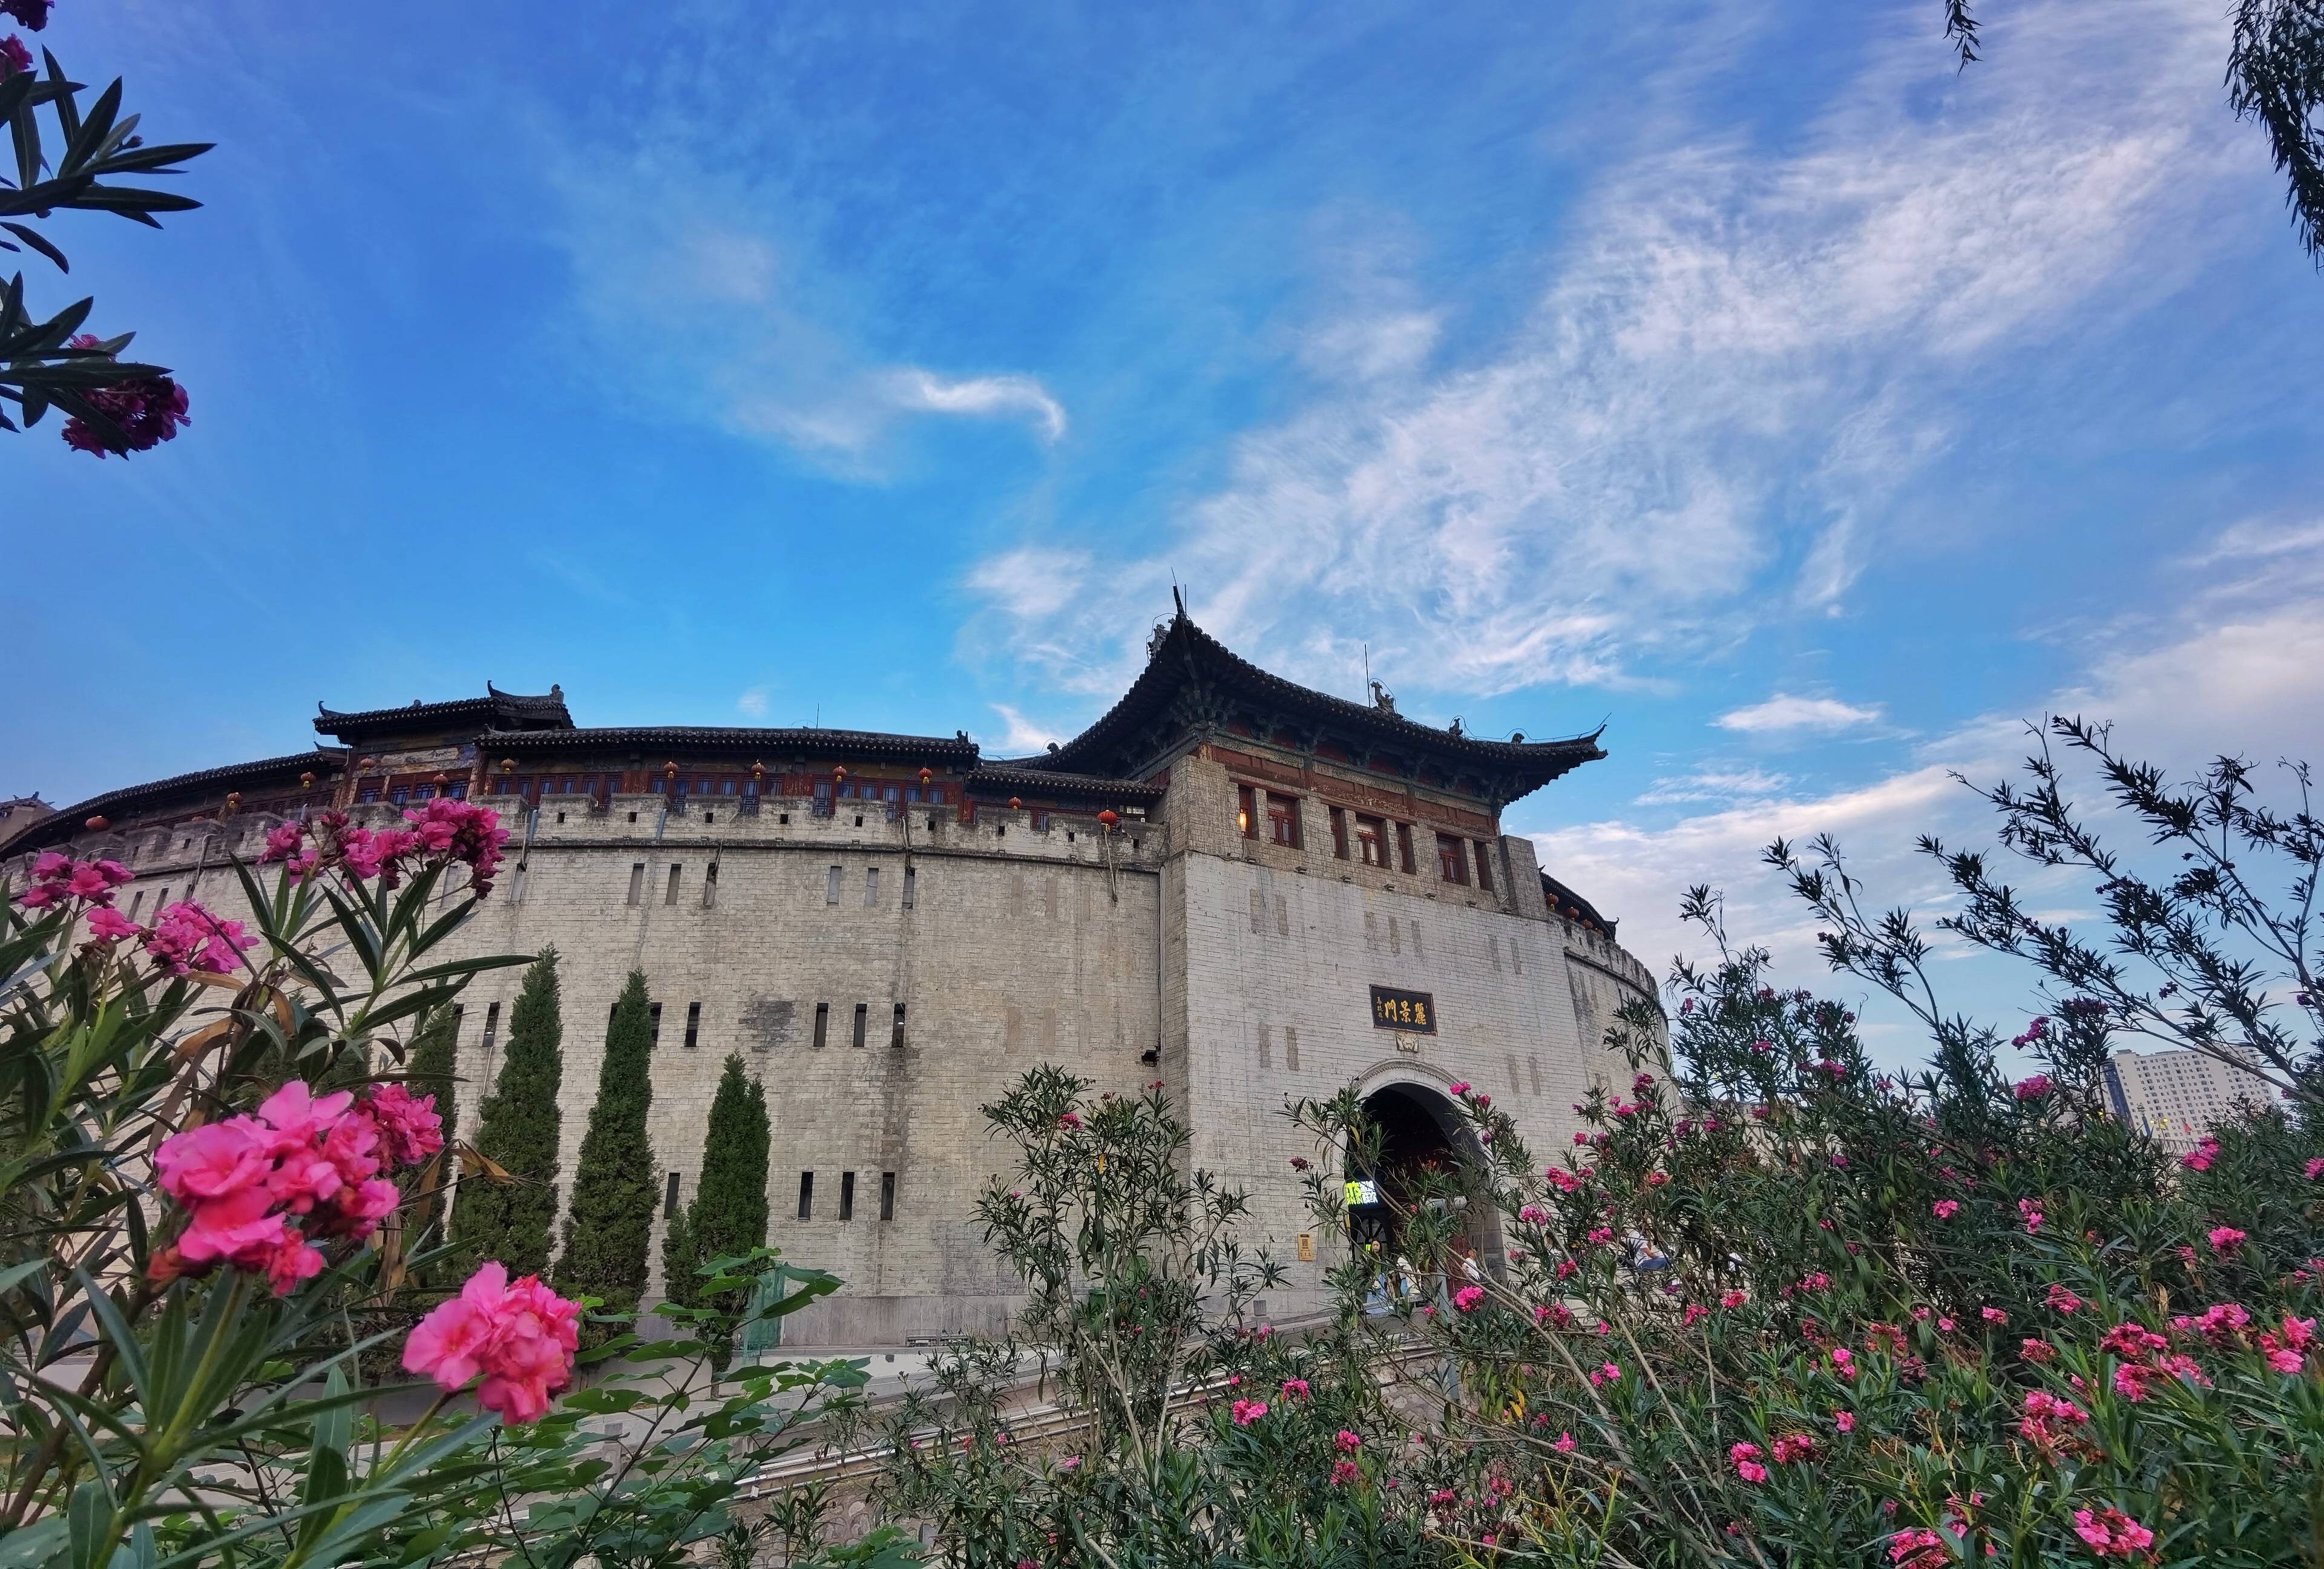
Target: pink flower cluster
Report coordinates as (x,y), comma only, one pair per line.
(1745,1458)
(1918,1549)
(1944,1209)
(440,832)
(519,1336)
(186,939)
(2049,1418)
(58,878)
(2199,1158)
(1467,1297)
(147,412)
(261,1191)
(2035,1088)
(2111,1534)
(1246,1412)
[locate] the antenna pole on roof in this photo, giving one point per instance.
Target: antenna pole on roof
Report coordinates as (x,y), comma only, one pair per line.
(1368,667)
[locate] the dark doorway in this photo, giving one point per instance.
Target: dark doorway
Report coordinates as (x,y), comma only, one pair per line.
(1423,1149)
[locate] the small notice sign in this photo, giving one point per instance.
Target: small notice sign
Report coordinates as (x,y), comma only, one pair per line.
(1410,1011)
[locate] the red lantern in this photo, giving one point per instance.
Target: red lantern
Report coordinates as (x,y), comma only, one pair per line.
(1015,804)
(98,824)
(307,781)
(758,772)
(839,771)
(441,776)
(1107,819)
(925,776)
(508,765)
(233,802)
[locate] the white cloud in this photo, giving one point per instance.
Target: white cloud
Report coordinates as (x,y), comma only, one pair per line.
(753,702)
(1784,713)
(982,395)
(711,315)
(1716,784)
(1734,363)
(1020,735)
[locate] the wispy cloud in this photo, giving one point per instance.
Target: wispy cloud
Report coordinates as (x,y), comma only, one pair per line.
(989,396)
(1783,714)
(1018,736)
(1716,784)
(1734,363)
(752,702)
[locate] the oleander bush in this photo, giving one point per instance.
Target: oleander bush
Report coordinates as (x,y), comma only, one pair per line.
(220,1160)
(1772,1306)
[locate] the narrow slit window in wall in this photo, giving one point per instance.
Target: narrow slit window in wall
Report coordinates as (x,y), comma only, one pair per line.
(871,886)
(822,1023)
(1484,866)
(1339,833)
(862,1012)
(911,878)
(1246,811)
(637,882)
(653,1012)
(491,1026)
(887,1195)
(896,1038)
(831,887)
(807,1196)
(710,886)
(692,1024)
(847,1196)
(1403,848)
(670,1197)
(671,896)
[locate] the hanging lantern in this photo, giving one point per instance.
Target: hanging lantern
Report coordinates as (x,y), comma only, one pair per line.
(1015,804)
(98,824)
(508,765)
(925,776)
(307,780)
(839,771)
(233,802)
(1107,819)
(758,772)
(670,770)
(366,762)
(441,776)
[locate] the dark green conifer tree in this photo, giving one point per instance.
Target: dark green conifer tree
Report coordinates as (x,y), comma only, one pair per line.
(607,1229)
(517,1129)
(429,1070)
(728,1214)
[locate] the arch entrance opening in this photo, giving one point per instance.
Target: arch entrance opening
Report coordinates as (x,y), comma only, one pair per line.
(1424,1150)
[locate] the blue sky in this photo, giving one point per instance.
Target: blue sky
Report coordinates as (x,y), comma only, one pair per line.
(1737,374)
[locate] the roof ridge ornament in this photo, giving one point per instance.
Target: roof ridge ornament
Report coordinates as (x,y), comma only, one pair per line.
(1385,700)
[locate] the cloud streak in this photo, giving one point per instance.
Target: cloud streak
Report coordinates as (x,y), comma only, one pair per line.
(1782,714)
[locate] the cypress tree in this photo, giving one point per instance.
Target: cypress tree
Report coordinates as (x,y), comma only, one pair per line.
(729,1212)
(611,1222)
(518,1128)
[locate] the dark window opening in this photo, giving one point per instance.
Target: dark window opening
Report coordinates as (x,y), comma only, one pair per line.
(1247,811)
(692,1024)
(653,1012)
(710,886)
(911,880)
(847,1196)
(1339,833)
(1453,859)
(887,1195)
(491,1026)
(831,886)
(637,882)
(896,1037)
(1283,819)
(1404,847)
(862,1012)
(822,1023)
(807,1196)
(669,1200)
(1484,866)
(670,895)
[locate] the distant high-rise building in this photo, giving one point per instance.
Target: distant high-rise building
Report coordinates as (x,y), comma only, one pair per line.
(2178,1096)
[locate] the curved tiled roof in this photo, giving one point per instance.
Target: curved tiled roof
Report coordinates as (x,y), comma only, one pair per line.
(952,749)
(1017,776)
(67,820)
(1186,652)
(494,708)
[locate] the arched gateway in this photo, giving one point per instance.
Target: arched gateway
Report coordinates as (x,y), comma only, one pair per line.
(1425,1144)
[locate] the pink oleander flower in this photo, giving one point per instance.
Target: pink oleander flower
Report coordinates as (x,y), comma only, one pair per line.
(57,878)
(2035,1088)
(1845,1421)
(1246,1412)
(1348,1440)
(466,831)
(1745,1458)
(1795,1447)
(1606,1373)
(1343,1471)
(1564,1445)
(1657,1178)
(186,939)
(2220,1324)
(1467,1297)
(1843,1362)
(1601,1236)
(1993,1315)
(108,924)
(410,1131)
(2225,1239)
(521,1336)
(2314,1169)
(1533,1215)
(1944,1209)
(2037,1351)
(1483,1100)
(14,56)
(2299,1333)
(1917,1549)
(2111,1534)
(1693,1311)
(1457,1088)
(214,1161)
(1733,1298)
(2048,1417)
(1561,1179)
(2131,1379)
(2131,1340)
(2199,1158)
(2063,1300)
(1299,1163)
(146,410)
(1069,1120)
(1295,1389)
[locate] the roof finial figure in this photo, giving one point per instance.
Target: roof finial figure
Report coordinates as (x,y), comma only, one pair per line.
(1383,699)
(1454,728)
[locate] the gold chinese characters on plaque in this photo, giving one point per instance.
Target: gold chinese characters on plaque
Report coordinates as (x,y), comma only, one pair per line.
(1414,1012)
